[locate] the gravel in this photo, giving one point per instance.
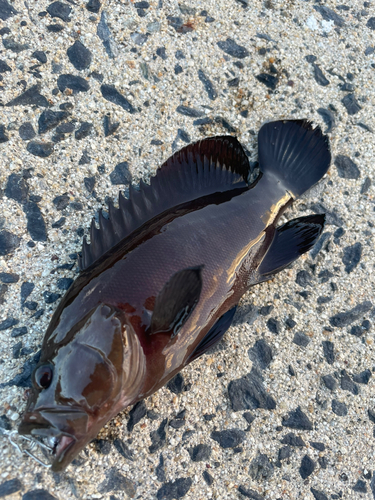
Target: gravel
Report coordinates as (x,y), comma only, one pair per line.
(96,96)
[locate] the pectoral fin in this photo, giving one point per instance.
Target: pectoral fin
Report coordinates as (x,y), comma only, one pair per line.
(290,241)
(214,336)
(176,301)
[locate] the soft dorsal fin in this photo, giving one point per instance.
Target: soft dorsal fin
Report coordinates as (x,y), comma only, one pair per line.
(176,301)
(200,169)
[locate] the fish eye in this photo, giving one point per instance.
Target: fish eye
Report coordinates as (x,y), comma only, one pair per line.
(43,376)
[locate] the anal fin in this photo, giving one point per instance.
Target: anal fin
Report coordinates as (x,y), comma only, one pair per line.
(291,241)
(215,335)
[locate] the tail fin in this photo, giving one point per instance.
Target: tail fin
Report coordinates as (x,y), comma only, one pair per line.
(295,153)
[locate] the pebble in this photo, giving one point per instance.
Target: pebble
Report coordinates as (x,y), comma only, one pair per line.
(230,47)
(363,377)
(351,104)
(89,183)
(17,188)
(55,28)
(50,119)
(347,383)
(116,481)
(347,317)
(105,35)
(330,382)
(261,354)
(307,467)
(285,452)
(123,449)
(158,437)
(160,470)
(192,113)
(35,221)
(328,117)
(339,408)
(207,84)
(61,201)
(352,256)
(93,6)
(346,168)
(72,82)
(3,136)
(261,469)
(121,174)
(50,297)
(110,93)
(330,15)
(31,96)
(4,67)
(360,486)
(249,493)
(270,81)
(64,283)
(26,131)
(9,487)
(79,56)
(274,326)
(177,384)
(102,446)
(319,76)
(38,494)
(19,332)
(292,440)
(200,453)
(366,185)
(8,242)
(60,10)
(109,126)
(136,414)
(318,446)
(40,55)
(41,149)
(297,419)
(229,438)
(13,46)
(208,478)
(6,10)
(249,393)
(318,495)
(174,489)
(9,277)
(301,339)
(83,131)
(328,351)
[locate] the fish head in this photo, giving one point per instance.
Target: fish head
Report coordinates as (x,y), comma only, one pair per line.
(81,382)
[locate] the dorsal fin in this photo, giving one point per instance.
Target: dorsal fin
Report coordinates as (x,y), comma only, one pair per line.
(216,164)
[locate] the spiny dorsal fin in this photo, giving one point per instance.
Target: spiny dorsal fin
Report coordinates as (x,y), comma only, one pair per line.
(176,301)
(200,169)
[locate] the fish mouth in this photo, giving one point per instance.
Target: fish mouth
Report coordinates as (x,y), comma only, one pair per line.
(58,446)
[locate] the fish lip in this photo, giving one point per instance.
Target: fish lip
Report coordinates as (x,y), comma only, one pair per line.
(65,443)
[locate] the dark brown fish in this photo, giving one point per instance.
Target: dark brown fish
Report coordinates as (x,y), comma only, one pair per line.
(161,278)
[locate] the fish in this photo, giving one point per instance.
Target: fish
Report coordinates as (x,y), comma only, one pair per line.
(163,274)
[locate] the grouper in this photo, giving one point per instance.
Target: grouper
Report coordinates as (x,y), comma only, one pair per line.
(161,278)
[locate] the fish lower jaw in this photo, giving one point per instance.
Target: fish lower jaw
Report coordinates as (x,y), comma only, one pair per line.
(62,445)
